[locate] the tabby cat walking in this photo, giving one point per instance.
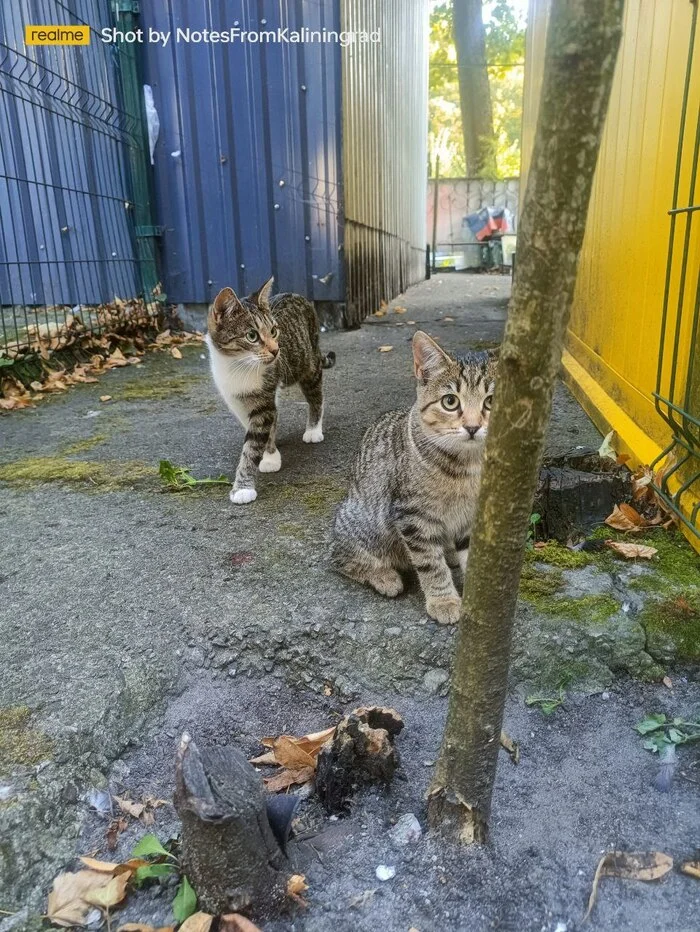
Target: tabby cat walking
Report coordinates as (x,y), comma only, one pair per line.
(257,345)
(414,486)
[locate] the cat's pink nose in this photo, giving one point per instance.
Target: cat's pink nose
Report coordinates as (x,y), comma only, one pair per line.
(472,430)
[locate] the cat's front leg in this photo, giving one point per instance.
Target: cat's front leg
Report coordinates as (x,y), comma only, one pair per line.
(427,554)
(256,440)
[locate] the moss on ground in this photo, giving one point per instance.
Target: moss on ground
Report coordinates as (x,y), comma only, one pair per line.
(539,587)
(675,619)
(676,565)
(537,584)
(318,496)
(290,529)
(82,446)
(156,388)
(555,554)
(93,476)
(21,745)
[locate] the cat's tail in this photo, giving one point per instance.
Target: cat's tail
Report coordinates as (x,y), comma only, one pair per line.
(328,361)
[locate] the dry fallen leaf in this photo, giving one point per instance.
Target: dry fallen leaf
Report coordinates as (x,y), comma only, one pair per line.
(631,551)
(289,754)
(386,349)
(234,922)
(379,313)
(511,747)
(67,904)
(606,448)
(287,778)
(175,353)
(284,749)
(625,518)
(115,827)
(105,397)
(645,865)
(399,310)
(296,885)
(197,922)
(129,807)
(142,927)
(691,868)
(667,682)
(111,894)
(104,867)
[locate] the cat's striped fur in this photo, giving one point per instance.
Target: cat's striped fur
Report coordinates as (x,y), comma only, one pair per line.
(414,486)
(257,345)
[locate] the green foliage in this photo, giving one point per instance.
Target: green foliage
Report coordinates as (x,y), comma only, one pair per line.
(659,732)
(505,53)
(154,871)
(177,478)
(185,902)
(149,846)
(546,704)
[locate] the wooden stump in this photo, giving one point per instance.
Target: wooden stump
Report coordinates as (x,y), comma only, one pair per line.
(229,851)
(576,492)
(362,751)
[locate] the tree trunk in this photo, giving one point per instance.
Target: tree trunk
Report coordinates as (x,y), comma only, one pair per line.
(229,851)
(474,91)
(582,43)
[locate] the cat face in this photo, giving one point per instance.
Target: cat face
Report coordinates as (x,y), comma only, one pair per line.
(454,394)
(244,328)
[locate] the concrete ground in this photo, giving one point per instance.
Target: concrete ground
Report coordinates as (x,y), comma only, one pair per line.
(128,614)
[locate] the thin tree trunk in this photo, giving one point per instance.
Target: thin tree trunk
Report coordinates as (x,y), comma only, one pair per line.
(474,90)
(582,43)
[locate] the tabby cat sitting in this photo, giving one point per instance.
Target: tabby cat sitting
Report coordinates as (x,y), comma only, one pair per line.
(257,345)
(414,485)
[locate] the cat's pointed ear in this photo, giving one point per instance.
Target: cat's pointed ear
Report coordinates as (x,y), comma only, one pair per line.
(225,299)
(428,357)
(262,295)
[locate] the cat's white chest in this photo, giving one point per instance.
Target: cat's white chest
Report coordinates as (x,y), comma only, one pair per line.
(233,381)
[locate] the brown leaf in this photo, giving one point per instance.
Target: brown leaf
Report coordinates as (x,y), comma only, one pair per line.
(67,904)
(111,894)
(295,753)
(645,865)
(511,747)
(386,349)
(379,313)
(631,551)
(399,310)
(115,827)
(287,778)
(142,927)
(289,754)
(116,359)
(131,808)
(104,867)
(691,868)
(197,922)
(234,922)
(267,758)
(176,354)
(625,518)
(296,885)
(105,397)
(667,682)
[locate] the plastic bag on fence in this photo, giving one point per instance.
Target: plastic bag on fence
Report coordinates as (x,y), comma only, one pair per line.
(151,119)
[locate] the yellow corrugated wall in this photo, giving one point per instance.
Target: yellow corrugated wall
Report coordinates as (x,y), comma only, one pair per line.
(614,334)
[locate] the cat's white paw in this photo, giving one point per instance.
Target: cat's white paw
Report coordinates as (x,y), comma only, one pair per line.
(271,462)
(462,557)
(313,435)
(242,496)
(444,611)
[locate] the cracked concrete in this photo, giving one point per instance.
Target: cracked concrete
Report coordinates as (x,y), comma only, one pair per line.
(128,614)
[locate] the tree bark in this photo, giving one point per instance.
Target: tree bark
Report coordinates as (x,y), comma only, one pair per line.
(474,89)
(229,851)
(582,43)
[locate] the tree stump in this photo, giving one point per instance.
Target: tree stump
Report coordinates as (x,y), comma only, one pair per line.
(362,751)
(576,492)
(229,851)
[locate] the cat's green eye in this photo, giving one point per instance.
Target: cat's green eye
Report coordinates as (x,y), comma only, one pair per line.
(450,402)
(487,402)
(274,332)
(252,336)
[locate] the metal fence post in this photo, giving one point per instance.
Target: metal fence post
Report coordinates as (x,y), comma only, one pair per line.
(147,234)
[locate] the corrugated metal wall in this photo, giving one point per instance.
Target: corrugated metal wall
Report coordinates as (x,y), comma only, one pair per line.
(66,230)
(385,114)
(247,164)
(615,329)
